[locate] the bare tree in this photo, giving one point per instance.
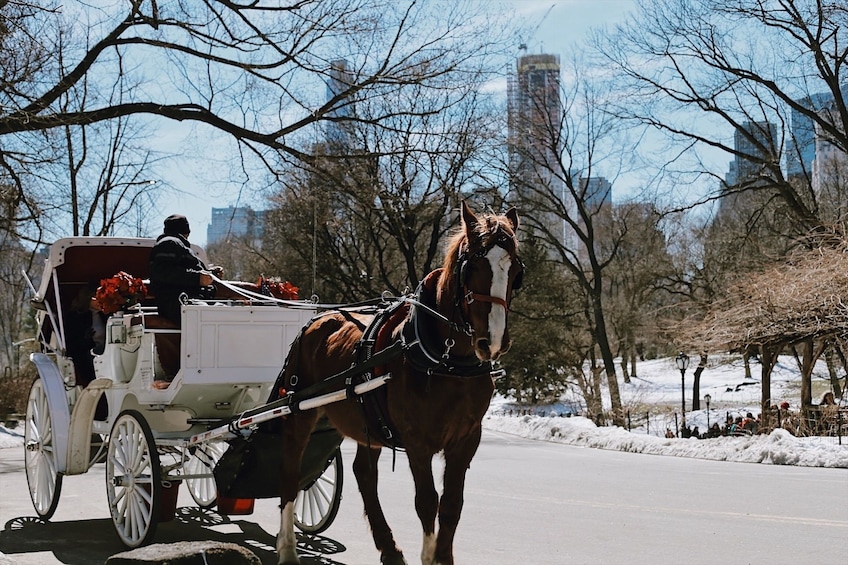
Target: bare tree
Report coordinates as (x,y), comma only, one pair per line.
(14,258)
(372,212)
(750,78)
(253,71)
(636,281)
(563,163)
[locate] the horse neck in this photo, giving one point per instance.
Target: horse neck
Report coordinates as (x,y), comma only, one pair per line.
(447,305)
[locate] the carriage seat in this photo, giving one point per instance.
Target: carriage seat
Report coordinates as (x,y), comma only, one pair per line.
(167,344)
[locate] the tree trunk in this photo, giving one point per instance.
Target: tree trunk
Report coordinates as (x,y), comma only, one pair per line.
(606,356)
(808,363)
(768,358)
(696,383)
(831,369)
(746,359)
(624,370)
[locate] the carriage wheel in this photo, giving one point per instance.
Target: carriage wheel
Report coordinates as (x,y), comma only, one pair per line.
(316,506)
(43,480)
(133,479)
(203,461)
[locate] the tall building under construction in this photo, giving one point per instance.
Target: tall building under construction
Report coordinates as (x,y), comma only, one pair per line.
(534,123)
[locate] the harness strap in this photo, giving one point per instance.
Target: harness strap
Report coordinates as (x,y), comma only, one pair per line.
(472,296)
(291,399)
(372,405)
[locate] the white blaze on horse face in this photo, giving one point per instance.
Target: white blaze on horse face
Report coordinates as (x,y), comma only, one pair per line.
(500,263)
(286,545)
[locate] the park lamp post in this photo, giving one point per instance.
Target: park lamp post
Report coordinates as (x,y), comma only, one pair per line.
(707,399)
(682,361)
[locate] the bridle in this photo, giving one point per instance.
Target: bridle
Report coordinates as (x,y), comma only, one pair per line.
(467,296)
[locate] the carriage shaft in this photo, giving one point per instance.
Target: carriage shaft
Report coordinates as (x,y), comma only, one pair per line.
(285,410)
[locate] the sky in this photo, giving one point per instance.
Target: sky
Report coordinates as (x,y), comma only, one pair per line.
(554,27)
(657,389)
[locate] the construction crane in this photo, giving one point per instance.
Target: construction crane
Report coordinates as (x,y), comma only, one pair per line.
(523,46)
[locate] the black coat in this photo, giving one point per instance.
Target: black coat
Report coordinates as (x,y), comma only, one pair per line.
(175,269)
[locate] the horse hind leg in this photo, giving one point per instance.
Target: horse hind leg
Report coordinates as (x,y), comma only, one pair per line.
(365,470)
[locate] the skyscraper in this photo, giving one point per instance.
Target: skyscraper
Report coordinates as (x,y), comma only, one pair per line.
(235,222)
(340,79)
(534,118)
(746,165)
(534,121)
(746,168)
(801,146)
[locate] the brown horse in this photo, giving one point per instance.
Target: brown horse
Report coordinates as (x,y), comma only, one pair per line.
(440,386)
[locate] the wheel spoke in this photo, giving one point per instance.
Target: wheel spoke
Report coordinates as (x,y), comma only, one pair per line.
(43,479)
(133,479)
(316,506)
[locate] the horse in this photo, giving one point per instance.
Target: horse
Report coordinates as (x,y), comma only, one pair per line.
(440,386)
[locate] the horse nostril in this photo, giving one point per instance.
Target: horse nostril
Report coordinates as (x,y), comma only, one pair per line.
(483,345)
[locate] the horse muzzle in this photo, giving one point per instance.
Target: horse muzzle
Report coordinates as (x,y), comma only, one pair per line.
(486,352)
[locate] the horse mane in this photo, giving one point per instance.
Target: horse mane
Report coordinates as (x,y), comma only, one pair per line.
(489,227)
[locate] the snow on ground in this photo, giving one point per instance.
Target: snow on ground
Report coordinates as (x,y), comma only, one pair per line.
(657,390)
(10,438)
(778,448)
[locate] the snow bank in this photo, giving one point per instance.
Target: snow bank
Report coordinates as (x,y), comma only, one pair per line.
(10,438)
(778,448)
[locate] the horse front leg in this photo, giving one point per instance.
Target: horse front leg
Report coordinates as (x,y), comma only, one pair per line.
(426,501)
(286,541)
(457,461)
(365,470)
(296,433)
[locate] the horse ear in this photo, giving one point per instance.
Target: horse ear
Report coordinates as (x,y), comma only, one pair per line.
(512,216)
(469,220)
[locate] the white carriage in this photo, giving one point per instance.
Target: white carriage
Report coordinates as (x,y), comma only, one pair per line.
(151,436)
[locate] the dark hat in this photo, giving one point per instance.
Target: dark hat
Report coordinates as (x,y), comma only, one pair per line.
(176,224)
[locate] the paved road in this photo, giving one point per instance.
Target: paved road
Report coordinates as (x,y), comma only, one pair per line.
(526,502)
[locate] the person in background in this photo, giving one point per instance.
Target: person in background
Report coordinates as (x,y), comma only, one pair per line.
(827,414)
(175,269)
(80,335)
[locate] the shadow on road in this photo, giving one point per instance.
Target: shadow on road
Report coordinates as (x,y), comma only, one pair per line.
(93,541)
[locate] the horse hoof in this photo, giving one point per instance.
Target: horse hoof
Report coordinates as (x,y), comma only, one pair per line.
(396,559)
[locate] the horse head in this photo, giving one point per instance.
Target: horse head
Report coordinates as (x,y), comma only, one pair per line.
(481,272)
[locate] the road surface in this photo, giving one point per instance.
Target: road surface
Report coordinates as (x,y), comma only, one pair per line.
(526,502)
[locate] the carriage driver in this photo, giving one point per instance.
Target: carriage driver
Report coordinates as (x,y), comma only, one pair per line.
(175,269)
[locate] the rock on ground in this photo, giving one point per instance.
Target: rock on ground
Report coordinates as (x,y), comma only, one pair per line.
(187,553)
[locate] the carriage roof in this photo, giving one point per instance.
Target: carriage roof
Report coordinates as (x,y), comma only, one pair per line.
(76,264)
(84,261)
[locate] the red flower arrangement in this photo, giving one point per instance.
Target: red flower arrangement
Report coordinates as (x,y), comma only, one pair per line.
(119,292)
(283,290)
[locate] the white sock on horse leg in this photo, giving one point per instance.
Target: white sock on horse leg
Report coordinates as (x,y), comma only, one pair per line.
(428,549)
(286,544)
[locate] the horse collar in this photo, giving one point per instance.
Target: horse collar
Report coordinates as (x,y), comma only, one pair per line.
(424,350)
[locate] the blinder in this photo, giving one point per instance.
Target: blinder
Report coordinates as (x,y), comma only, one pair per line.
(518,282)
